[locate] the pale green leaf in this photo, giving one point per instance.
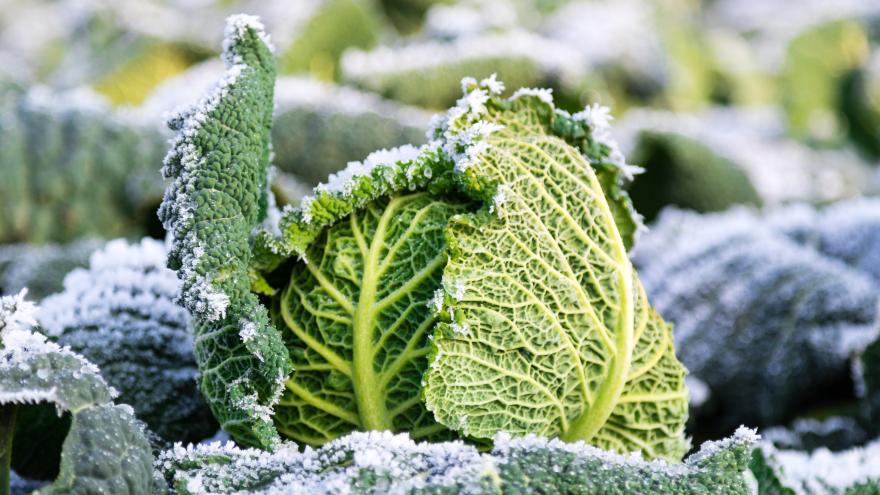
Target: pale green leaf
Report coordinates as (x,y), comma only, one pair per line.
(549,330)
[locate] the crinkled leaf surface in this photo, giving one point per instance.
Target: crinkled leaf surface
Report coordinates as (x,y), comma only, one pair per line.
(549,331)
(105,449)
(219,162)
(380,462)
(357,317)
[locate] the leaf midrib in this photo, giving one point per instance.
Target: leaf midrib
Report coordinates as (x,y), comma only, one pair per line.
(590,421)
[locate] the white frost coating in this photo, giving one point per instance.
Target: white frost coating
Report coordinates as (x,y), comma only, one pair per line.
(822,471)
(29,396)
(16,314)
(201,297)
(341,181)
(467,146)
(744,435)
(236,28)
(597,116)
(400,464)
(544,94)
(493,85)
(382,462)
(499,199)
(248,331)
(461,329)
(436,302)
(127,286)
(19,347)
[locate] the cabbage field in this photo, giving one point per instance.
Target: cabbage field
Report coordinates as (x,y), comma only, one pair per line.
(475,247)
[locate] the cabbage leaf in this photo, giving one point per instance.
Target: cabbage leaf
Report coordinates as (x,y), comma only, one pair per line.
(53,400)
(382,462)
(548,329)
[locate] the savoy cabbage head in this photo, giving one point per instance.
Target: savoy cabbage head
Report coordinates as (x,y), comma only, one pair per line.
(71,168)
(477,284)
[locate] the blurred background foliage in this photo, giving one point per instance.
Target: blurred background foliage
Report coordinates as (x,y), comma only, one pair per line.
(723,103)
(85,87)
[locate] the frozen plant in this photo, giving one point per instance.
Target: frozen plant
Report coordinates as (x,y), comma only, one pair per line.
(50,395)
(120,314)
(381,462)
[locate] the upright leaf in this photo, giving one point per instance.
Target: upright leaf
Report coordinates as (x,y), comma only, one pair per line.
(548,329)
(219,162)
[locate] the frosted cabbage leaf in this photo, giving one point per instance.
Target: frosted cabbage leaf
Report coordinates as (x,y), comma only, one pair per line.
(548,329)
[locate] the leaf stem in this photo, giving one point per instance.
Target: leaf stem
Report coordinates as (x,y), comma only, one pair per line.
(7,433)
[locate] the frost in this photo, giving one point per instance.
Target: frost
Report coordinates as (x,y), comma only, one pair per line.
(436,301)
(16,314)
(236,28)
(498,199)
(543,94)
(822,471)
(248,331)
(341,181)
(598,117)
(707,273)
(751,138)
(382,462)
(120,313)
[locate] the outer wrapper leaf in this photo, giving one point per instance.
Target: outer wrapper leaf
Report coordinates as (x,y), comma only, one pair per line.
(219,163)
(549,330)
(820,472)
(758,318)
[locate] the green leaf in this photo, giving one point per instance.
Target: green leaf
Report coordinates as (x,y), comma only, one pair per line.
(71,167)
(684,172)
(104,448)
(219,163)
(357,317)
(380,462)
(548,329)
